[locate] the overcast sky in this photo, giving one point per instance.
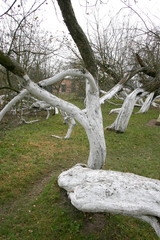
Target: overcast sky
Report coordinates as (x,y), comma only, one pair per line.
(149,10)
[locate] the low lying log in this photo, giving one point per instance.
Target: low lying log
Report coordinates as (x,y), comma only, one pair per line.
(112,191)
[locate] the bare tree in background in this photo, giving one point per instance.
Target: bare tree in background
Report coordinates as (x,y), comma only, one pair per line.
(24,40)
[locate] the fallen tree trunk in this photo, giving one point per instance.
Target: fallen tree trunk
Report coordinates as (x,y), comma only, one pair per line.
(112,191)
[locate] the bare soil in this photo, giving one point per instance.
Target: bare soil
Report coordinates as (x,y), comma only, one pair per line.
(152,123)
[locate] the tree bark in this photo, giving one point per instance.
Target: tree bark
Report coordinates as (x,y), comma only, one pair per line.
(146,105)
(78,36)
(112,191)
(95,131)
(70,122)
(46,82)
(91,119)
(119,85)
(154,84)
(122,120)
(10,104)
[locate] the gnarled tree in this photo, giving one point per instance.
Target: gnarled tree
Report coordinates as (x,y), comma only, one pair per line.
(91,189)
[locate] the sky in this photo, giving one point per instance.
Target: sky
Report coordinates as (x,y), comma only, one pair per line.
(149,10)
(111,10)
(115,10)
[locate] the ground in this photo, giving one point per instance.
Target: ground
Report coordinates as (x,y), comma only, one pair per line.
(94,223)
(152,123)
(34,204)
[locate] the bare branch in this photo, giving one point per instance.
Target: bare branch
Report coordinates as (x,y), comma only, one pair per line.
(8,9)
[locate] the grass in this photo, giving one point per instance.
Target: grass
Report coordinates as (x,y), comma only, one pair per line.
(29,154)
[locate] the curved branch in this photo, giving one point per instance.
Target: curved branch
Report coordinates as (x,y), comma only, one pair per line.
(14,67)
(71,123)
(9,105)
(54,101)
(71,72)
(10,88)
(119,85)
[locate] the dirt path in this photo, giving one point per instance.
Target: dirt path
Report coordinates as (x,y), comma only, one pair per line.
(31,195)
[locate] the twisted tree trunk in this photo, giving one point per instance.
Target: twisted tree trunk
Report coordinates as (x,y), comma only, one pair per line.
(146,105)
(111,191)
(122,120)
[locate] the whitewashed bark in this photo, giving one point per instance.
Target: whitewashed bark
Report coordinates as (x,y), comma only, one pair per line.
(112,191)
(70,72)
(71,123)
(91,119)
(29,122)
(2,97)
(10,104)
(115,110)
(46,82)
(41,105)
(156,102)
(111,93)
(146,105)
(122,120)
(95,130)
(119,85)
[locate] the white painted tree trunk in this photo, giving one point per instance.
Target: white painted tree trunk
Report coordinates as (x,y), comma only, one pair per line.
(122,120)
(146,105)
(71,123)
(46,82)
(112,191)
(90,119)
(118,86)
(10,104)
(95,130)
(111,93)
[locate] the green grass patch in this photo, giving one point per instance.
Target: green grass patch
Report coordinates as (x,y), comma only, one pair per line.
(28,154)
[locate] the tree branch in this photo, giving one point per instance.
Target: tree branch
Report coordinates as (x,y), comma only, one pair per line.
(8,9)
(146,69)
